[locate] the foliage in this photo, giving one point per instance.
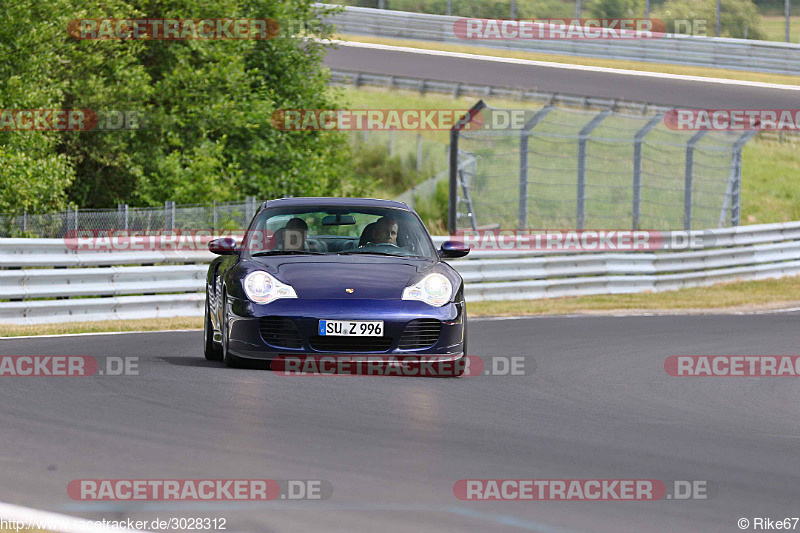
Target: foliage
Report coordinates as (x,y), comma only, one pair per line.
(735,15)
(203,108)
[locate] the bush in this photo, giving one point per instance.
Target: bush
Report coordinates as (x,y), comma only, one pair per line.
(433,210)
(391,175)
(734,16)
(616,8)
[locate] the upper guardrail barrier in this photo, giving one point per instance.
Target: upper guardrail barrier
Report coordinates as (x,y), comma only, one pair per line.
(737,54)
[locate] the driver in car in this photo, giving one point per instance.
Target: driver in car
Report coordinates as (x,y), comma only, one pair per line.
(294,234)
(385,232)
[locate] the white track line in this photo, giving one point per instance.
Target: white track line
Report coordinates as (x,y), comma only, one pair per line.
(53,521)
(566,66)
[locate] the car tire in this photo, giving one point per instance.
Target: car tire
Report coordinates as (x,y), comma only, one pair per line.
(211,350)
(228,358)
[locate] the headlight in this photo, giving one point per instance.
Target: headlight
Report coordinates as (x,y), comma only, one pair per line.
(262,288)
(433,289)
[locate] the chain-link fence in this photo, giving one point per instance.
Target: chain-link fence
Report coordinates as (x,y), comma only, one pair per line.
(568,168)
(217,216)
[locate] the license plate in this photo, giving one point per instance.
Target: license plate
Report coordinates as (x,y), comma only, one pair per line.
(351,328)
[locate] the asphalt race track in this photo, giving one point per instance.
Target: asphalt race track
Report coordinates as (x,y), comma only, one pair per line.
(654,90)
(595,403)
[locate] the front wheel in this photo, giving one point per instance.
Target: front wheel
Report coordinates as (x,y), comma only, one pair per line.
(227,357)
(211,350)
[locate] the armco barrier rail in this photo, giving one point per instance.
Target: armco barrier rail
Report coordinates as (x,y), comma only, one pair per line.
(43,281)
(738,54)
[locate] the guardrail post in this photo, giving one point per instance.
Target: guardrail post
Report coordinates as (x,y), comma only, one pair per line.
(637,168)
(582,141)
(689,184)
(523,163)
(453,189)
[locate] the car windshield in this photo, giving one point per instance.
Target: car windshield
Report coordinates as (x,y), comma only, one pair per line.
(342,230)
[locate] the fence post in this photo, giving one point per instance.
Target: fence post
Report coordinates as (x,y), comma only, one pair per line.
(169,209)
(523,164)
(637,168)
(583,138)
(126,217)
(687,188)
(214,218)
(249,208)
(733,194)
(454,132)
(24,220)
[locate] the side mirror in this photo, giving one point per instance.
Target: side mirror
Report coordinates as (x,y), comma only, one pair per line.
(223,246)
(453,249)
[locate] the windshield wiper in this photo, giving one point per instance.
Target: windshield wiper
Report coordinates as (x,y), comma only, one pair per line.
(351,252)
(286,252)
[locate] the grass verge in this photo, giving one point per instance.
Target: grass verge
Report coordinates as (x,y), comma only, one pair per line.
(724,297)
(735,296)
(644,66)
(775,28)
(154,324)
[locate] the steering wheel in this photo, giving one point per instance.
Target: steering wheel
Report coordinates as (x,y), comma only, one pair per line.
(383,244)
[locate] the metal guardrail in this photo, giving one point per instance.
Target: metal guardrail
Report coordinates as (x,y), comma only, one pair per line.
(92,286)
(456,89)
(737,54)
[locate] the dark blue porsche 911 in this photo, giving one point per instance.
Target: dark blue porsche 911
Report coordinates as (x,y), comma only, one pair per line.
(334,276)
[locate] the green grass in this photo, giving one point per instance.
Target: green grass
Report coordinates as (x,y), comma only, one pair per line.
(738,296)
(774,27)
(770,184)
(151,324)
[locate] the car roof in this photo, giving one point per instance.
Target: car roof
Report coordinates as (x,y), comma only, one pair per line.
(334,201)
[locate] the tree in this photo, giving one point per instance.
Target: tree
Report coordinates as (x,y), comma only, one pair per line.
(203,108)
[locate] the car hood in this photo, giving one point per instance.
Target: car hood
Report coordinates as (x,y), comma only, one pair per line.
(373,277)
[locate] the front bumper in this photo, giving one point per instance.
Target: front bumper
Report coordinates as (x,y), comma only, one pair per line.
(246,340)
